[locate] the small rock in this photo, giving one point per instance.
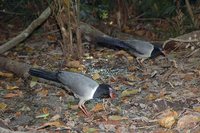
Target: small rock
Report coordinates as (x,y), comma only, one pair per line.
(142,105)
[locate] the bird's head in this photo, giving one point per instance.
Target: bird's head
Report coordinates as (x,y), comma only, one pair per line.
(105,91)
(157,51)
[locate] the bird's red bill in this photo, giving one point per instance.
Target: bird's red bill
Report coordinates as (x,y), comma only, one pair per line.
(112,95)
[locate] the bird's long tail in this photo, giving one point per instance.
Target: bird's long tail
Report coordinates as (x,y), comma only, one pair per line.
(44,74)
(108,41)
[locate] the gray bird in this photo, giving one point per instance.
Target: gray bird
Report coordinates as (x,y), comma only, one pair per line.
(80,85)
(140,49)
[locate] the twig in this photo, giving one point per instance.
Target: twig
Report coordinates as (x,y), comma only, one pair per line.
(3,130)
(193,52)
(22,36)
(179,40)
(147,127)
(190,12)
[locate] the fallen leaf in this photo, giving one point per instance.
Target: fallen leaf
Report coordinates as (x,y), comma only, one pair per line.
(7,75)
(151,97)
(11,87)
(121,52)
(54,123)
(3,106)
(197,108)
(167,122)
(73,107)
(33,83)
(132,68)
(17,114)
(124,53)
(140,32)
(96,76)
(117,117)
(145,86)
(51,37)
(42,116)
(90,130)
(74,64)
(55,117)
(10,95)
(188,121)
(188,76)
(98,107)
(25,108)
(131,77)
(168,118)
(45,110)
(43,93)
(129,92)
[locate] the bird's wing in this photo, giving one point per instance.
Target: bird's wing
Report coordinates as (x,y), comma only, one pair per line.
(141,47)
(81,85)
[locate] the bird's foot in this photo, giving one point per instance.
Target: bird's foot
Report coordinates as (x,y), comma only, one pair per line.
(84,110)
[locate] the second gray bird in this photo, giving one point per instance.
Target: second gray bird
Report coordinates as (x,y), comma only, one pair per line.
(140,49)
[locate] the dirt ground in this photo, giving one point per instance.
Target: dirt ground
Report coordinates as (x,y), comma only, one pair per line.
(160,96)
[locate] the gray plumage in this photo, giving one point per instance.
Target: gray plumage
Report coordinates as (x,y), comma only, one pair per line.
(139,48)
(80,85)
(70,79)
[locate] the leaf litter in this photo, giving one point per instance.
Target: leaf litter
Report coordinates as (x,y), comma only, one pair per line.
(143,92)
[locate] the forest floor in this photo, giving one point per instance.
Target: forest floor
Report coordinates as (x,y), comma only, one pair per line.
(160,96)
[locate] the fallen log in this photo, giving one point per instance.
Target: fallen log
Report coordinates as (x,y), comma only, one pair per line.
(24,34)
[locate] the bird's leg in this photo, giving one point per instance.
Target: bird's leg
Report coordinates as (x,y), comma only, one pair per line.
(83,108)
(140,62)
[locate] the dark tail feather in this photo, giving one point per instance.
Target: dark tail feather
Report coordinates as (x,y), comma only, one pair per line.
(108,41)
(44,74)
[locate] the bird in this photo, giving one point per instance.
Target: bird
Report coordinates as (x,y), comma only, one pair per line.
(140,49)
(80,85)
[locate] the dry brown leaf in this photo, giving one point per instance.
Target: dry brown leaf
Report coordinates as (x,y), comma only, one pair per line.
(54,123)
(45,110)
(90,130)
(188,77)
(188,121)
(3,106)
(7,75)
(117,118)
(167,122)
(151,97)
(132,68)
(197,108)
(98,107)
(51,37)
(11,87)
(74,107)
(145,86)
(74,64)
(129,92)
(131,77)
(140,32)
(43,93)
(168,118)
(96,76)
(10,95)
(55,117)
(17,114)
(121,53)
(60,93)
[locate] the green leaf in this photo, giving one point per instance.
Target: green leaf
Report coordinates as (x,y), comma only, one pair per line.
(126,93)
(42,116)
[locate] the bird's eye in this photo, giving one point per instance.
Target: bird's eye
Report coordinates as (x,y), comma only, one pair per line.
(112,93)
